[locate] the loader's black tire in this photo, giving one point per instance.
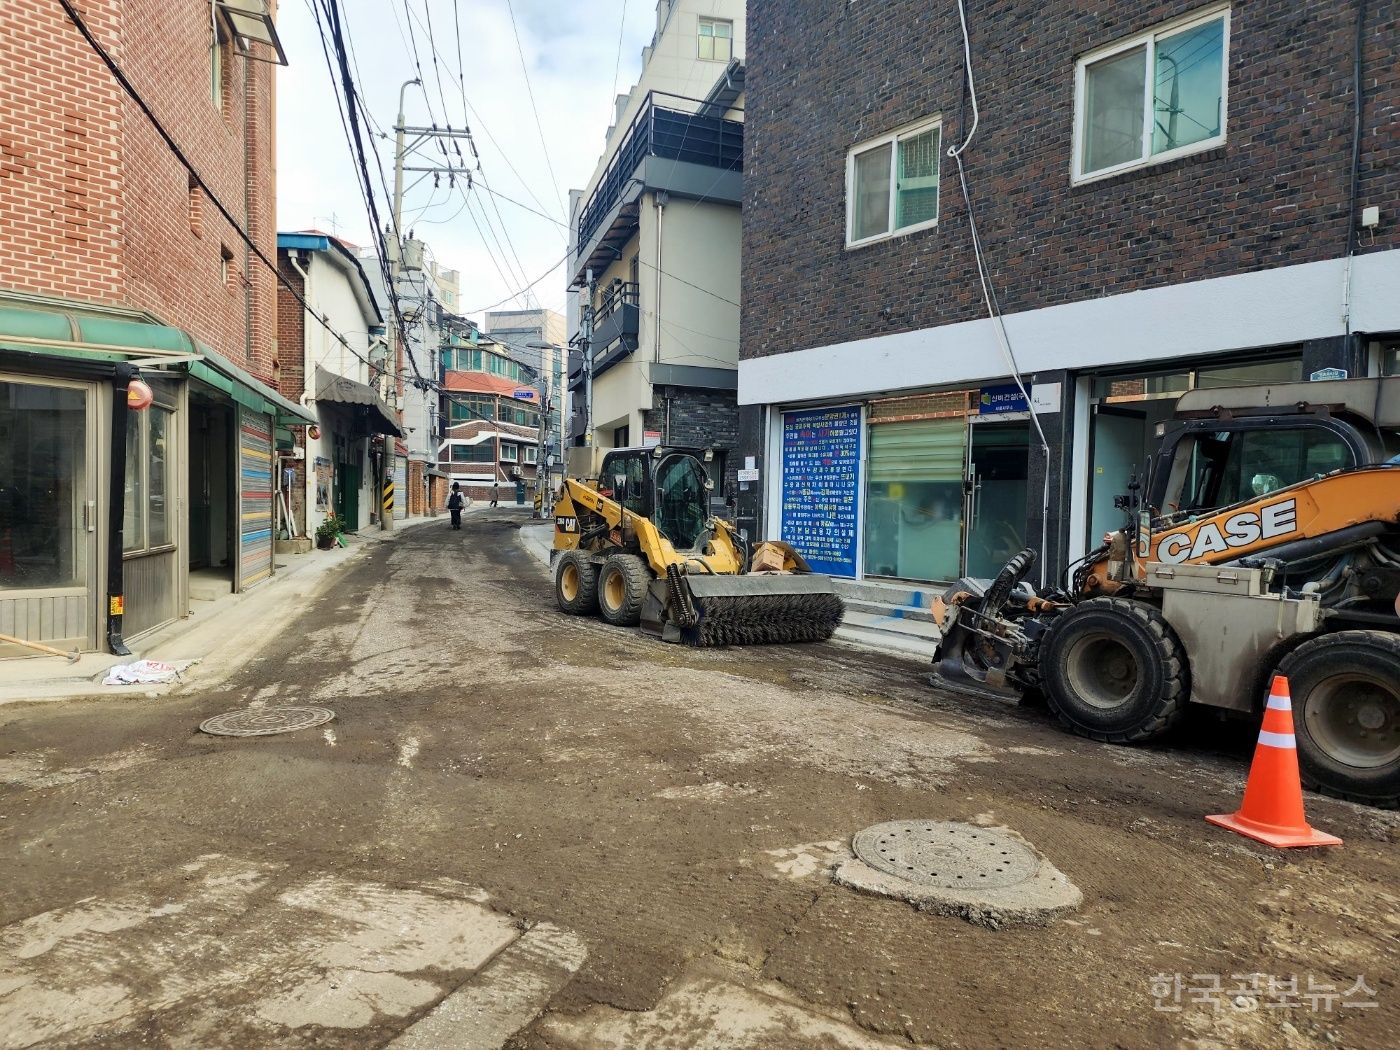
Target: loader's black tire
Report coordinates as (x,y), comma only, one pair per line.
(1346,714)
(1114,670)
(576,583)
(622,586)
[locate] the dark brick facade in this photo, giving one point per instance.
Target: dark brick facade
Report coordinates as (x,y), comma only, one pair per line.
(697,419)
(823,78)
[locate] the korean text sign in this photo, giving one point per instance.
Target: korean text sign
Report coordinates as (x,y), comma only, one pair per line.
(821,485)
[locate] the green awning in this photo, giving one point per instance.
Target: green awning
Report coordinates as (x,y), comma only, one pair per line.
(84,336)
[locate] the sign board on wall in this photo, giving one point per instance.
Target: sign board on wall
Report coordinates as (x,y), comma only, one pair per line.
(998,399)
(821,486)
(1045,397)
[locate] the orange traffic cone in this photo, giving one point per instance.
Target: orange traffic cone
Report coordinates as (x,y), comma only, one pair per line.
(1272,810)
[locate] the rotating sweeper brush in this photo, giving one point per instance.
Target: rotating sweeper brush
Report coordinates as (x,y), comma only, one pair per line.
(755,609)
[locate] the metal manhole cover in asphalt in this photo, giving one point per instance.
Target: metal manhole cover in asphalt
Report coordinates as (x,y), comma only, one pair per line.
(946,855)
(265,721)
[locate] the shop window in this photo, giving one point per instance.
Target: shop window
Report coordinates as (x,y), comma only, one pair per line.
(43,486)
(716,40)
(148,515)
(892,184)
(914,503)
(1153,97)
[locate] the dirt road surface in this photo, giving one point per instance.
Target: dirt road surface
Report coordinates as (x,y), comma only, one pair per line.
(538,829)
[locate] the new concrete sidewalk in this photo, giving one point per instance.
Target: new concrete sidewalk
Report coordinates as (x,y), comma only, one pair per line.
(215,636)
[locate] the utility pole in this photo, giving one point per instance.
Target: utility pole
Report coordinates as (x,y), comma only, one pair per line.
(588,366)
(406,140)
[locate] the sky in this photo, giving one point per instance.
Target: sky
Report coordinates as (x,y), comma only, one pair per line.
(570,51)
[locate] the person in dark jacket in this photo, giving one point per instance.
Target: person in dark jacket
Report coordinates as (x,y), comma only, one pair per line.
(455,503)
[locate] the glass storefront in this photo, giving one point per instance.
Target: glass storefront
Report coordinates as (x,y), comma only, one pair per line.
(43,534)
(148,522)
(914,497)
(1123,427)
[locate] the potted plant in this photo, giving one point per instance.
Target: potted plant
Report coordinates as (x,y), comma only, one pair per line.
(328,532)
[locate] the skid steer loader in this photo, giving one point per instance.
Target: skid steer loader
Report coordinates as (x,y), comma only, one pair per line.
(641,547)
(1268,542)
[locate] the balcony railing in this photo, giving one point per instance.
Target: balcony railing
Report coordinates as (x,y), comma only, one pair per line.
(661,132)
(620,293)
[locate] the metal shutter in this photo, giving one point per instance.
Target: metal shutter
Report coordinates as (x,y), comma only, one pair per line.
(254,498)
(400,487)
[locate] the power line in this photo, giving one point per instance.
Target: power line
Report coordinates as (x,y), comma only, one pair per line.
(529,90)
(121,78)
(537,280)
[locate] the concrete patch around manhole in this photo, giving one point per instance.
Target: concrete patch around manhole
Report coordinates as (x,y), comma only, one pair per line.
(265,721)
(989,876)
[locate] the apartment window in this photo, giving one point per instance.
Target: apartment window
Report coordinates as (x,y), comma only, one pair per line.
(532,454)
(482,452)
(892,184)
(716,40)
(226,265)
(196,206)
(508,452)
(218,63)
(1152,98)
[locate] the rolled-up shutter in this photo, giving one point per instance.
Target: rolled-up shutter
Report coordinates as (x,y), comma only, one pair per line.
(929,450)
(254,498)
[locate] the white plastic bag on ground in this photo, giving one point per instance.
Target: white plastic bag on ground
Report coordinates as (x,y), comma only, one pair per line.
(142,672)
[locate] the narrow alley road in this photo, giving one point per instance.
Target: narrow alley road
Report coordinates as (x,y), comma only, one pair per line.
(528,827)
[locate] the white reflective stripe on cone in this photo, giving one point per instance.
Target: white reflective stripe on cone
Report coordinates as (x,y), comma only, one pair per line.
(1279,703)
(1278,739)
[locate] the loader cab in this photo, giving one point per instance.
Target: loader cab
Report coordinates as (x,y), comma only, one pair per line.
(668,485)
(1232,445)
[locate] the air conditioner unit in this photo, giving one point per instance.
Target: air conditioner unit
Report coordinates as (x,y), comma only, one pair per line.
(297,452)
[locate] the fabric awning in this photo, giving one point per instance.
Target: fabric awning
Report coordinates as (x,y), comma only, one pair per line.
(346,391)
(82,336)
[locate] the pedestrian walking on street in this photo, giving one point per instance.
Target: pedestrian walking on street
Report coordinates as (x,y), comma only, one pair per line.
(455,502)
(495,493)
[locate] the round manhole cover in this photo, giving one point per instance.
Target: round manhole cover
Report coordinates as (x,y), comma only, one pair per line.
(265,721)
(945,855)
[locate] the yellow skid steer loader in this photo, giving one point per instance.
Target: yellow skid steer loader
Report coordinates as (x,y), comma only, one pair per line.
(641,547)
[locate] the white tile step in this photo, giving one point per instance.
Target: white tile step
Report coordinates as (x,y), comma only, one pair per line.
(882,608)
(891,624)
(875,640)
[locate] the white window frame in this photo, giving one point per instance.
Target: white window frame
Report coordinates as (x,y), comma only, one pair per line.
(892,139)
(509,452)
(702,20)
(1148,40)
(532,454)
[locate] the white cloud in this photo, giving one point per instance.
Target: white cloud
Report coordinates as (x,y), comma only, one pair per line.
(571,50)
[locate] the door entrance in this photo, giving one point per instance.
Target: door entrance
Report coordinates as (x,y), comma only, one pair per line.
(48,514)
(347,495)
(997,469)
(211,492)
(1119,438)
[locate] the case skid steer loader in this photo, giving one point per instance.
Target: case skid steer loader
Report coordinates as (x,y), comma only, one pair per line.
(1269,542)
(642,547)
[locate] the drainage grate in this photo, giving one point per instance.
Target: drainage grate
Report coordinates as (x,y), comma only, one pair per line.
(265,721)
(945,855)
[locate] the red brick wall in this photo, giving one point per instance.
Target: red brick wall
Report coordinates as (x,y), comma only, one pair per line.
(94,206)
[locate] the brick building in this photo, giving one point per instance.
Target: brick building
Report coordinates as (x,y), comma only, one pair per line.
(1166,199)
(112,253)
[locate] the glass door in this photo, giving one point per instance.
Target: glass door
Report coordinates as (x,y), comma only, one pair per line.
(48,513)
(997,462)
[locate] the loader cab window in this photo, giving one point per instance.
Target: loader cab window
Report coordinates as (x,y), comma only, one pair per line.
(1212,470)
(682,495)
(623,478)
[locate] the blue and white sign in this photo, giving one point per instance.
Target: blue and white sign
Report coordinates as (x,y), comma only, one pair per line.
(821,486)
(1322,375)
(524,395)
(997,399)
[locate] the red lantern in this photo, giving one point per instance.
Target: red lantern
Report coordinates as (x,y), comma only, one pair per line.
(313,432)
(138,395)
